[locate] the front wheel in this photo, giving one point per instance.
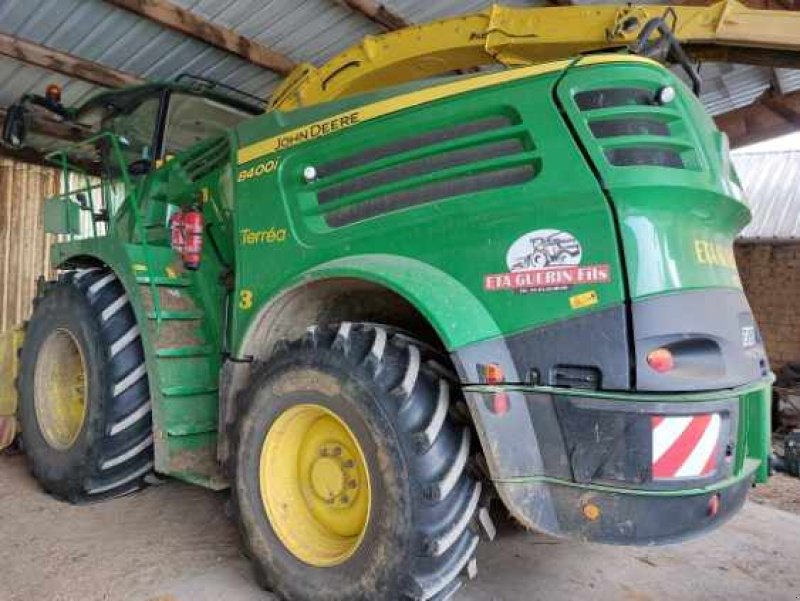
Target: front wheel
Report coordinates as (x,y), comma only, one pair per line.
(83,390)
(351,476)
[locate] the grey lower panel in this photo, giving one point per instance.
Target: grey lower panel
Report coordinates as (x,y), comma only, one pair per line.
(596,342)
(711,334)
(589,440)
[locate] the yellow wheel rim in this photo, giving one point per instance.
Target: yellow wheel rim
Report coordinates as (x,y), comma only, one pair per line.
(59,391)
(315,485)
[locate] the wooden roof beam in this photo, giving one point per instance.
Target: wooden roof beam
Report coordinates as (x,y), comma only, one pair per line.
(45,125)
(184,21)
(377,13)
(769,117)
(64,63)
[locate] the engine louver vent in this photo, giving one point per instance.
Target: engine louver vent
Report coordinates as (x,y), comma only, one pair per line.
(634,130)
(204,158)
(473,157)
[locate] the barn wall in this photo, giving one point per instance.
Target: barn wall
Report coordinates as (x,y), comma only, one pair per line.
(23,243)
(771,279)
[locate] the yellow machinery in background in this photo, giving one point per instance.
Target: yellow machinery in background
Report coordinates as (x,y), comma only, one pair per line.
(726,31)
(10,343)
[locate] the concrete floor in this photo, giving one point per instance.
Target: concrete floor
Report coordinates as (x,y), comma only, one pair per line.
(174,543)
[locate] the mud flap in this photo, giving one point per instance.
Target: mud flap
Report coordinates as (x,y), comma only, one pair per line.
(10,343)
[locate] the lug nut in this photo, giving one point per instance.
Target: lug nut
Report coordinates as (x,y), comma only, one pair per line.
(349,463)
(351,484)
(337,451)
(345,499)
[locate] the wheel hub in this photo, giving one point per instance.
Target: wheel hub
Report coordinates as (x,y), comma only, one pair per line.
(315,485)
(60,392)
(334,477)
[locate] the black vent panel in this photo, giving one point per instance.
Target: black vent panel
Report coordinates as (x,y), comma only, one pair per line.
(630,157)
(483,154)
(613,97)
(424,194)
(634,130)
(609,128)
(372,155)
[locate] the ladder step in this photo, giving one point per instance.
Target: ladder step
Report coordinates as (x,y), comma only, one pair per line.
(201,350)
(188,390)
(162,280)
(185,315)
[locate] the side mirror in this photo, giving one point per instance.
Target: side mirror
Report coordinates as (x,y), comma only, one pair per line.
(15,127)
(140,167)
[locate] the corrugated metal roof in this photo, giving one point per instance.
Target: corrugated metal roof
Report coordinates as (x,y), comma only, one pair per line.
(771,182)
(727,87)
(307,31)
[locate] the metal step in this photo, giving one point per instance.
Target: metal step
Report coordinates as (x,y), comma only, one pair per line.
(178,352)
(188,390)
(183,315)
(162,280)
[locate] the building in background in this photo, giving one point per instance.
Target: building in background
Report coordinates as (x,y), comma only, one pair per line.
(768,250)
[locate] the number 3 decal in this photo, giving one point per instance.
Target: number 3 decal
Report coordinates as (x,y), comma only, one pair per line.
(246,299)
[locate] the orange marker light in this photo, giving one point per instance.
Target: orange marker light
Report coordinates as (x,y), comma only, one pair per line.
(53,92)
(713,505)
(492,373)
(591,512)
(661,360)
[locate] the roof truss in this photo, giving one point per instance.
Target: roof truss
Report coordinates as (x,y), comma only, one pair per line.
(64,63)
(184,21)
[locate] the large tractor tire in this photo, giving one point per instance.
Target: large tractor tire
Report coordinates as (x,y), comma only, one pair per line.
(83,389)
(352,478)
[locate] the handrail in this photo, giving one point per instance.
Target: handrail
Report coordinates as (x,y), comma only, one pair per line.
(132,197)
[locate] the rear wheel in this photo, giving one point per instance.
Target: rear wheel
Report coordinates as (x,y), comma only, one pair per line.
(351,476)
(84,397)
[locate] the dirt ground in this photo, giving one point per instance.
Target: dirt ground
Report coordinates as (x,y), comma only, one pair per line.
(782,492)
(174,543)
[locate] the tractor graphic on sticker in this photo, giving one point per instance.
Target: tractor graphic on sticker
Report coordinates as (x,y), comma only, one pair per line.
(541,249)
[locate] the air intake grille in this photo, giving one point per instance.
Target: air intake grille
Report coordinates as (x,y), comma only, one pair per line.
(202,159)
(484,154)
(634,130)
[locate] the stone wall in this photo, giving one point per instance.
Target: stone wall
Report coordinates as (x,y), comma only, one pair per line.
(771,278)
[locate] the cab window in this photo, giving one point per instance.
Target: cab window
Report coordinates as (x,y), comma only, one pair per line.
(136,132)
(192,119)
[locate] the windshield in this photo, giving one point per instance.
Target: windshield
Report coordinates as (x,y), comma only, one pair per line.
(192,119)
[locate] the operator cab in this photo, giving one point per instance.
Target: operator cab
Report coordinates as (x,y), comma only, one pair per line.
(152,122)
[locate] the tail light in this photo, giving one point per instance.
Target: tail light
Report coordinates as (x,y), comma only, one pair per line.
(661,360)
(500,403)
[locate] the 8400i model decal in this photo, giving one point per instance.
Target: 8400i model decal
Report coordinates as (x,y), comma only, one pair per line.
(544,260)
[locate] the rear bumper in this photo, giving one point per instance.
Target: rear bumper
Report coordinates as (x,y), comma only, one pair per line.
(624,517)
(583,464)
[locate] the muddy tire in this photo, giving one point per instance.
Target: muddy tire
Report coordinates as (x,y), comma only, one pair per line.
(419,535)
(83,389)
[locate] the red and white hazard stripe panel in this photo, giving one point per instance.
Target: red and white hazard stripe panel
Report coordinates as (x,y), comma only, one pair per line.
(685,446)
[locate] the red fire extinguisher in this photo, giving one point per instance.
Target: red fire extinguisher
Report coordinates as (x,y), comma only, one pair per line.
(187,235)
(193,224)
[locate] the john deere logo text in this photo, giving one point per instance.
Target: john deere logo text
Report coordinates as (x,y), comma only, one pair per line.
(317,130)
